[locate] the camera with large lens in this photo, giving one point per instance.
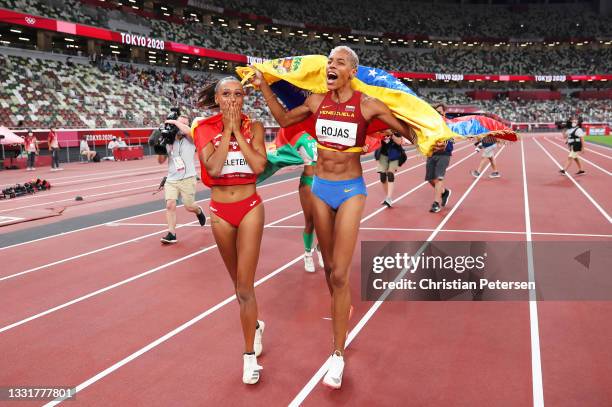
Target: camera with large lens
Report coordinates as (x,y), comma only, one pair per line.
(165,134)
(563,124)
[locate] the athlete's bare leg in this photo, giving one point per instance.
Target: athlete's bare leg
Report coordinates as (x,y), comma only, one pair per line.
(248,245)
(239,249)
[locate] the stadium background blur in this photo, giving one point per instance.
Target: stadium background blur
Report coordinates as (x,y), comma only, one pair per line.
(530,62)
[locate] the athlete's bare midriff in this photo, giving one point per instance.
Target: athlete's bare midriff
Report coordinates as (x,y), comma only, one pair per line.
(231,193)
(338,166)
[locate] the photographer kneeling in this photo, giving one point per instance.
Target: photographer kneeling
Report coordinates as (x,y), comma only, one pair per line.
(181,179)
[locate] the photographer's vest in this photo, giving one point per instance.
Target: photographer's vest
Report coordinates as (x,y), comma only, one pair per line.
(572,137)
(341,126)
(236,170)
(574,141)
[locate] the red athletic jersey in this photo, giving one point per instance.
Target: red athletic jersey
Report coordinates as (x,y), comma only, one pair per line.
(341,125)
(236,170)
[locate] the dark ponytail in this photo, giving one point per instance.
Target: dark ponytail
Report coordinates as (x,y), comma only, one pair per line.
(206,96)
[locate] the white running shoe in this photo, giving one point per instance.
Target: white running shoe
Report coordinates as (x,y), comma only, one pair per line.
(258,343)
(309,263)
(319,256)
(250,369)
(333,377)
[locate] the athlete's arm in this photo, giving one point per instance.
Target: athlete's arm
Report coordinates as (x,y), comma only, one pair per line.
(375,109)
(255,152)
(283,117)
(213,158)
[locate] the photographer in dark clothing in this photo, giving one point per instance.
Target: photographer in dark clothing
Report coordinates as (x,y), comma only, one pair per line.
(390,157)
(435,170)
(575,136)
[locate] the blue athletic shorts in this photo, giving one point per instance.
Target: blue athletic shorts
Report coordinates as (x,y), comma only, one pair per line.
(334,193)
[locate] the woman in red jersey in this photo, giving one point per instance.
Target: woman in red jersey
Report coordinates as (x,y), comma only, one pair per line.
(232,152)
(342,116)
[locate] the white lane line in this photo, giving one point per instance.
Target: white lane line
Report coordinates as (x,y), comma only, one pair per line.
(316,378)
(141,236)
(274,224)
(181,328)
(156,232)
(8,219)
(112,286)
(601,147)
(170,334)
(585,193)
(582,158)
(88,176)
(123,219)
(114,224)
(142,214)
(598,153)
(570,234)
(502,232)
(555,139)
(85,198)
(46,195)
(534,326)
(114,245)
(41,314)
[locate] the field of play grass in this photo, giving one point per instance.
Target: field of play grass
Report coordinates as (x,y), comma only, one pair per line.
(605,140)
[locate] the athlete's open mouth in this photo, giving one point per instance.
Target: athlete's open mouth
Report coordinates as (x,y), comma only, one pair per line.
(331,77)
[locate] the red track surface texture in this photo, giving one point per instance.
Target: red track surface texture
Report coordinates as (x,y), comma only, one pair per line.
(132,323)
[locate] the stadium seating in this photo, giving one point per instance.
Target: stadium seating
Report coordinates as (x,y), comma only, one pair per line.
(46,91)
(450,20)
(69,10)
(574,20)
(50,93)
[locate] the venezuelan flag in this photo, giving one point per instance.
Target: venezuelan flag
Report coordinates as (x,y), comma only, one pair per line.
(481,126)
(293,78)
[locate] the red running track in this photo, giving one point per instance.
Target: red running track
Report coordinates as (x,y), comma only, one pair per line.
(447,353)
(104,186)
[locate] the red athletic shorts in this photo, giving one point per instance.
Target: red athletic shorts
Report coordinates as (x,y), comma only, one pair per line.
(234,212)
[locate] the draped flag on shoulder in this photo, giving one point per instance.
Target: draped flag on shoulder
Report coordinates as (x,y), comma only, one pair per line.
(293,78)
(205,130)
